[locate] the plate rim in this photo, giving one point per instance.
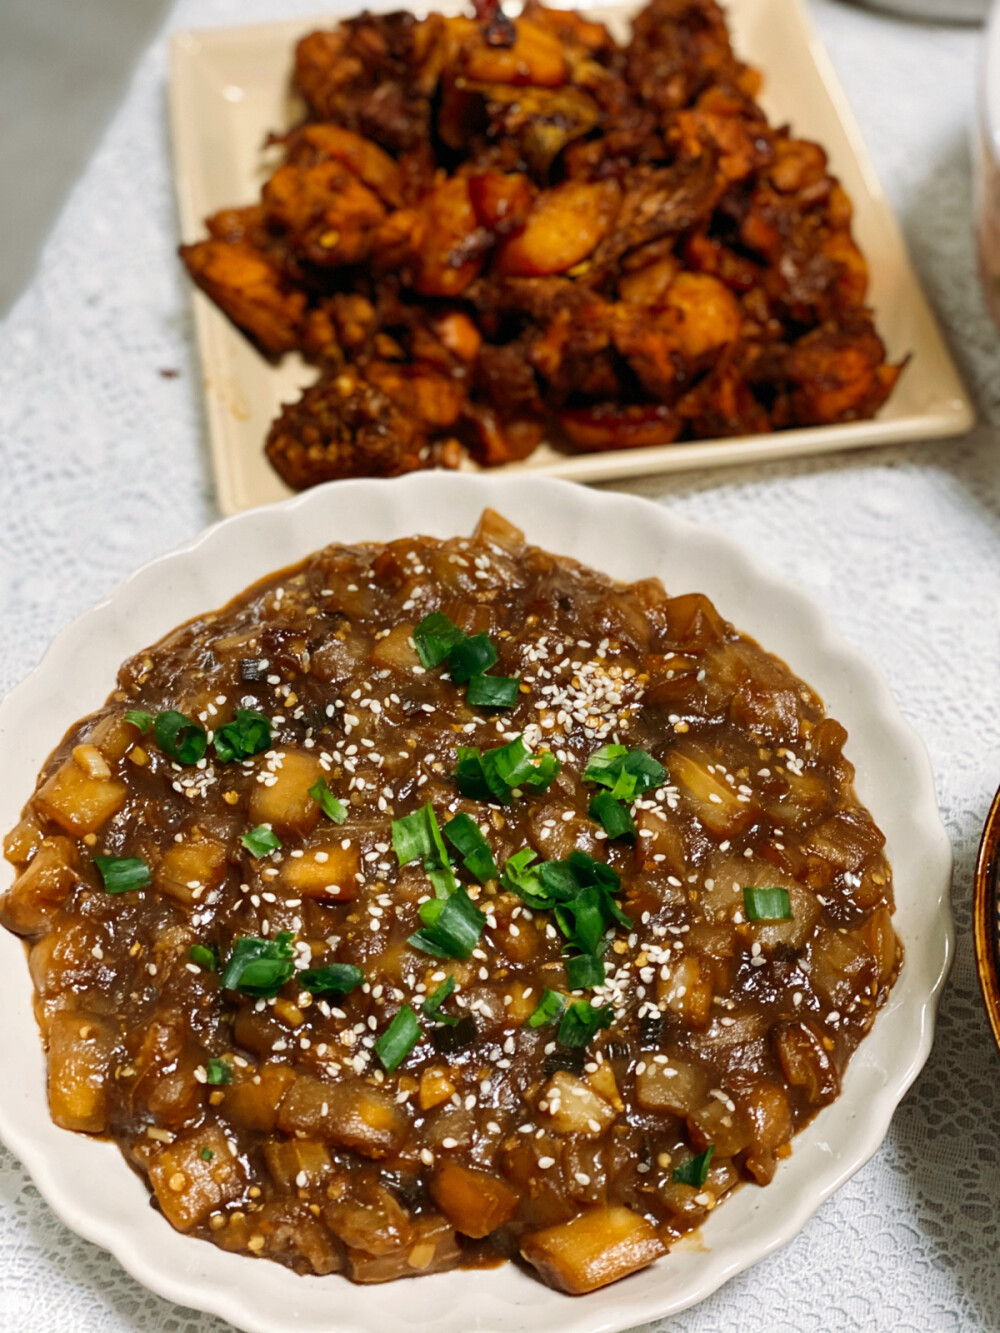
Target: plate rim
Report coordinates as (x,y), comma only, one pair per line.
(110,1227)
(947,420)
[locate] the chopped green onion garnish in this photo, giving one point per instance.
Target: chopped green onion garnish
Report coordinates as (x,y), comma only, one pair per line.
(580,890)
(469,776)
(467,838)
(180,738)
(583,971)
(493,691)
(767,904)
(219,1071)
(432,1005)
(584,919)
(122,874)
(627,773)
(612,815)
(327,802)
(694,1171)
(493,775)
(260,841)
(435,637)
(259,967)
(139,719)
(417,837)
(581,1020)
(247,734)
(204,956)
(333,979)
(471,658)
(452,926)
(206,1154)
(398,1040)
(551,1007)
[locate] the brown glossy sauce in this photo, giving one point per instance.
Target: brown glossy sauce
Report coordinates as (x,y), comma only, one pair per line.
(490,1138)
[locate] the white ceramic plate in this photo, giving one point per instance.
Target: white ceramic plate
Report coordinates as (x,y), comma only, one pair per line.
(230,87)
(88,1183)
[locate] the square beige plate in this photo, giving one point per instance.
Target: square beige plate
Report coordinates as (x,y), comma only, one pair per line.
(230,87)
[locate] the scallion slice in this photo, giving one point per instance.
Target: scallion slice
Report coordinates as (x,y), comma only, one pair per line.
(398,1040)
(179,738)
(767,904)
(122,874)
(260,841)
(259,967)
(332,979)
(467,838)
(452,926)
(139,719)
(612,816)
(493,691)
(494,774)
(431,1007)
(581,1021)
(694,1171)
(205,956)
(550,1009)
(327,802)
(247,734)
(435,637)
(417,837)
(219,1072)
(471,657)
(627,773)
(584,971)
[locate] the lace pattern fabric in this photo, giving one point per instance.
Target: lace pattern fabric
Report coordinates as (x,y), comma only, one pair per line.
(105,465)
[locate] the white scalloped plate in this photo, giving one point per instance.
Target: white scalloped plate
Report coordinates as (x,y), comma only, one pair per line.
(88,1183)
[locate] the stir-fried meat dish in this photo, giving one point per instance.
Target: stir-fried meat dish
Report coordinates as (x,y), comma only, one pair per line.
(487,231)
(445,901)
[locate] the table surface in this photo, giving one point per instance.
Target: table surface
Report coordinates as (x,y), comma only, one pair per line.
(105,465)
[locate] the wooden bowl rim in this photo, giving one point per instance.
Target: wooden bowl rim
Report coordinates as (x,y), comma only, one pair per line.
(987,922)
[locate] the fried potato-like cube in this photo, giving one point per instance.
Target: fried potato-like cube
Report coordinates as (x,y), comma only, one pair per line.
(81,1048)
(78,801)
(330,217)
(592,1249)
(250,289)
(838,375)
(327,873)
(371,164)
(41,888)
(349,1113)
(475,1202)
(188,870)
(284,802)
(534,57)
(564,227)
(194,1175)
(448,257)
(253,1099)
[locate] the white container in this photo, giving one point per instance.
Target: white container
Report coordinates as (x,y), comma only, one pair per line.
(987,149)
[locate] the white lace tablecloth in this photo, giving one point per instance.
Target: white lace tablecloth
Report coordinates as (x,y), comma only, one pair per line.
(104,464)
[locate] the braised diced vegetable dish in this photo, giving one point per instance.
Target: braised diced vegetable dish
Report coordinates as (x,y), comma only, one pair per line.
(442,901)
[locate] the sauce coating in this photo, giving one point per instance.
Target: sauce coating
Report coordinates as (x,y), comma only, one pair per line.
(225,952)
